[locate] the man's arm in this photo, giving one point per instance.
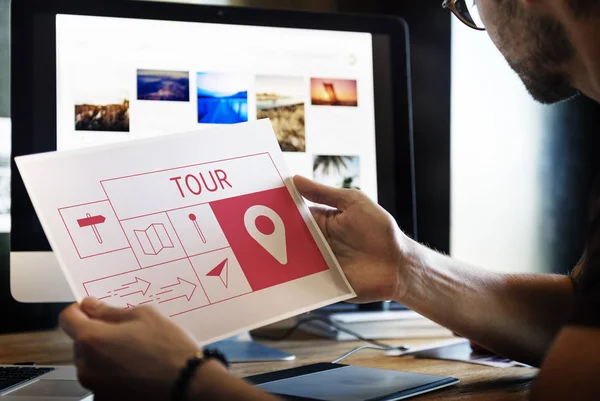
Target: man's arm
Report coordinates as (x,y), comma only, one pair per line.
(514,315)
(213,382)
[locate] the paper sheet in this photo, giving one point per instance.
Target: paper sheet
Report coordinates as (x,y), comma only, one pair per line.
(206,226)
(458,349)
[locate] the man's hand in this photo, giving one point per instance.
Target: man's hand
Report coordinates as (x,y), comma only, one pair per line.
(365,239)
(514,315)
(126,354)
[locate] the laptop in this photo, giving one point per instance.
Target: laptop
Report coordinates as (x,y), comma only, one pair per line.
(36,383)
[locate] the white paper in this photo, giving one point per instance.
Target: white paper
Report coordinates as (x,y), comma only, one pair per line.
(377,316)
(206,226)
(495,361)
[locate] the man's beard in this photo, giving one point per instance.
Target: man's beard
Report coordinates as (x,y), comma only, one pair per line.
(543,85)
(542,70)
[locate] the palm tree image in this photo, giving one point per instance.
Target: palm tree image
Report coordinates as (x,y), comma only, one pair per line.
(326,163)
(337,171)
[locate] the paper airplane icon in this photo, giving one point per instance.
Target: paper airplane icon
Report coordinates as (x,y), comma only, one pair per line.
(221,271)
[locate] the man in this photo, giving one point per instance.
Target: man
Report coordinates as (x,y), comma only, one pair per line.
(550,321)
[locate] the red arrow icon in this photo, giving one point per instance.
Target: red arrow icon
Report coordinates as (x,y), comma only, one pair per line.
(181,287)
(222,269)
(91,221)
(138,286)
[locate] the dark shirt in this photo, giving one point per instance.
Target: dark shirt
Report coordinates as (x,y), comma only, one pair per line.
(586,276)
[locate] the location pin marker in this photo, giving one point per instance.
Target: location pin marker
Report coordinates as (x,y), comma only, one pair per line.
(267,228)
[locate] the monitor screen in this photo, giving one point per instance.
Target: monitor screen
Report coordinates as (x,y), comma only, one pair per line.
(335,87)
(123,78)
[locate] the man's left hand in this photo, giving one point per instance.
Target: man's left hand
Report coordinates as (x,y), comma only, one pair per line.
(126,354)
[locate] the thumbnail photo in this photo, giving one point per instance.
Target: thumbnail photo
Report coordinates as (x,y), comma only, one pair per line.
(163,85)
(337,171)
(222,98)
(333,92)
(101,100)
(281,99)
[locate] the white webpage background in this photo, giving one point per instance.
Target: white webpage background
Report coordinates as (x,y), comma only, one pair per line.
(106,52)
(57,179)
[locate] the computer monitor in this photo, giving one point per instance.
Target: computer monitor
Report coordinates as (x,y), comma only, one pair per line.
(336,88)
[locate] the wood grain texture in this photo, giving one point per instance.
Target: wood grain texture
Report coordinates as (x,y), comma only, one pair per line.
(477,382)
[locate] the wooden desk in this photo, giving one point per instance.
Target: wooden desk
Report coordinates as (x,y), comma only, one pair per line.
(477,382)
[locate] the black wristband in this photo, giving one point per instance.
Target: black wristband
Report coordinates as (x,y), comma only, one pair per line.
(181,384)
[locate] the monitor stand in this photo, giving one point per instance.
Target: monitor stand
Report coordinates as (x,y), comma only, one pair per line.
(242,348)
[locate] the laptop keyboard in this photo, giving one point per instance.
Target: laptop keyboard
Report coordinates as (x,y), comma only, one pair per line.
(11,376)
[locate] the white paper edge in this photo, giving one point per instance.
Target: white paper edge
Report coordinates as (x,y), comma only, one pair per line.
(428,346)
(23,161)
(307,213)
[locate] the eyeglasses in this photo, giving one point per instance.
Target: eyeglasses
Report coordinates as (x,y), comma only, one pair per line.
(466,11)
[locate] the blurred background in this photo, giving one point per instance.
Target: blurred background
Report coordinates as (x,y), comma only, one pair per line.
(502,182)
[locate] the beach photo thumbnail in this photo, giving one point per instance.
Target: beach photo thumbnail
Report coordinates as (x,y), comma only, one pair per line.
(333,92)
(281,99)
(337,171)
(163,85)
(222,98)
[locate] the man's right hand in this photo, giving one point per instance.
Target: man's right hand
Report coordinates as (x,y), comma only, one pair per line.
(366,240)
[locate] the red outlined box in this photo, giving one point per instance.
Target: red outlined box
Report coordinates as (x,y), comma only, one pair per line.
(198,229)
(93,228)
(171,287)
(153,240)
(175,188)
(295,254)
(221,275)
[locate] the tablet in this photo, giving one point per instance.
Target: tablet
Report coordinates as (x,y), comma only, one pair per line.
(337,382)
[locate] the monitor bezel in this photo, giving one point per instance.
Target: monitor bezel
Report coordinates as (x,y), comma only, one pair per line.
(23,61)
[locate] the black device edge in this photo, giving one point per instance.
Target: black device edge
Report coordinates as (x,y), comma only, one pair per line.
(325,366)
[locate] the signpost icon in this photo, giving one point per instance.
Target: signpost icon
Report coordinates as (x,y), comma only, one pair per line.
(92,221)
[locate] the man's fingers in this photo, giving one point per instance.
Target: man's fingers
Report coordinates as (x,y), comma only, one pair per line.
(322,194)
(101,311)
(74,321)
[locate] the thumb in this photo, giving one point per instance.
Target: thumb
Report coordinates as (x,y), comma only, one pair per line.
(323,194)
(101,311)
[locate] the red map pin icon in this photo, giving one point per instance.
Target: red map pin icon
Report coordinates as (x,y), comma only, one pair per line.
(270,237)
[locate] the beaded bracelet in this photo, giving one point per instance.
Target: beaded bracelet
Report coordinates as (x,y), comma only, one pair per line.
(181,384)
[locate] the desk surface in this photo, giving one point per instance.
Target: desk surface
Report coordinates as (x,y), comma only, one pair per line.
(477,382)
